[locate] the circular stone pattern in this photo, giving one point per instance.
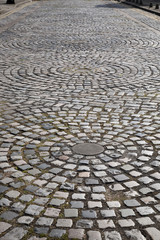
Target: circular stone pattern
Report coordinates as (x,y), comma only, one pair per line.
(88,149)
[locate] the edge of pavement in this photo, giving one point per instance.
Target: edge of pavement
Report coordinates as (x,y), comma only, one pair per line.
(7,9)
(142,7)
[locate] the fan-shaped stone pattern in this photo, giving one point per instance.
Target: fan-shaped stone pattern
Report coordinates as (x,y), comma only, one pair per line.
(54,170)
(106,75)
(85,32)
(79,43)
(78,72)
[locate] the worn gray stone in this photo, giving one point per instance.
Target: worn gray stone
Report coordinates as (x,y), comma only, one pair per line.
(99,189)
(100,174)
(131,203)
(67,186)
(83,168)
(121,177)
(5,202)
(89,214)
(31,188)
(4,226)
(108,213)
(145,210)
(153,232)
(94,235)
(25,220)
(41,200)
(57,202)
(9,215)
(135,234)
(77,196)
(77,204)
(60,194)
(155,186)
(41,230)
(43,191)
(70,213)
(96,196)
(84,189)
(127,212)
(157,207)
(18,206)
(84,223)
(57,233)
(91,181)
(126,223)
(34,209)
(44,221)
(144,221)
(64,223)
(12,194)
(94,204)
(108,223)
(76,233)
(26,197)
(52,212)
(113,235)
(148,200)
(113,204)
(16,234)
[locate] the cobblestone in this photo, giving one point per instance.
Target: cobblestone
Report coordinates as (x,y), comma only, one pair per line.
(43,221)
(145,221)
(70,213)
(64,223)
(94,204)
(34,209)
(57,202)
(127,212)
(105,224)
(84,224)
(8,215)
(153,233)
(94,235)
(4,226)
(16,233)
(76,233)
(135,234)
(79,72)
(145,210)
(108,213)
(126,223)
(25,220)
(57,233)
(52,212)
(112,235)
(89,214)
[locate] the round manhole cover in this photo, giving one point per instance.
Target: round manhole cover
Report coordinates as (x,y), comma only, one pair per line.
(88,149)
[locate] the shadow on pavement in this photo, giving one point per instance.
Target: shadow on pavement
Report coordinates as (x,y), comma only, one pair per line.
(111,5)
(152,6)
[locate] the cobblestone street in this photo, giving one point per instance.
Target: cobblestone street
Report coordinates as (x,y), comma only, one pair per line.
(74,72)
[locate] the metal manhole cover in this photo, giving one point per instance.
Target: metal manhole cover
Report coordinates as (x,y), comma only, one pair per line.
(88,149)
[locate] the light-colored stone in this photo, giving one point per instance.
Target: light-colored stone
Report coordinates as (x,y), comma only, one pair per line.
(134,234)
(153,232)
(94,235)
(4,226)
(76,233)
(112,235)
(105,224)
(64,223)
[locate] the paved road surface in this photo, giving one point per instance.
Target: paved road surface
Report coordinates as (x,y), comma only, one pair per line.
(76,72)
